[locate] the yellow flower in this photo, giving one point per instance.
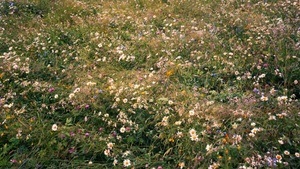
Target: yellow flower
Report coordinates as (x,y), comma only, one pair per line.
(171,140)
(169,73)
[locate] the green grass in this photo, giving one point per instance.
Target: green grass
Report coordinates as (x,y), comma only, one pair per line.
(149,84)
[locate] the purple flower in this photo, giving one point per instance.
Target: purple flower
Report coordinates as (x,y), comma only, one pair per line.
(271,162)
(72,134)
(87,134)
(51,90)
(255,90)
(72,150)
(114,133)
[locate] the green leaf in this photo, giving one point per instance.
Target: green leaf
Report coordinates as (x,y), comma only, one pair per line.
(130,139)
(69,121)
(163,99)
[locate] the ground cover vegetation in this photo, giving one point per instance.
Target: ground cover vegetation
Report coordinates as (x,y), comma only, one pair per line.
(149,84)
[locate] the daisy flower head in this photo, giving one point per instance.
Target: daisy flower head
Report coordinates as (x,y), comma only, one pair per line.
(264,98)
(279,158)
(181,165)
(194,137)
(127,163)
(122,129)
(110,145)
(54,127)
(192,132)
(191,113)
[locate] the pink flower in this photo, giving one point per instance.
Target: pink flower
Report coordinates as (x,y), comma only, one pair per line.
(13,161)
(72,150)
(51,89)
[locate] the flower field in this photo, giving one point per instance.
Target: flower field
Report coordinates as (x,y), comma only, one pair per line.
(158,84)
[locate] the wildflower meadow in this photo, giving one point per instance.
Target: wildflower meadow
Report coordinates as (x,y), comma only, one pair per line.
(150,84)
